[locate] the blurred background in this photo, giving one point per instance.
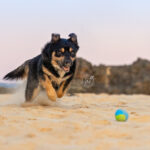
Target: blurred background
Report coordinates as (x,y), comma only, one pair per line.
(112,32)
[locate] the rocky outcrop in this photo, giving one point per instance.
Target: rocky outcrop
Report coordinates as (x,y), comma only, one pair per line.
(4,90)
(127,79)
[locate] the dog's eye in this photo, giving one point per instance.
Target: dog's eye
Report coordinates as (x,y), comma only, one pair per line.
(59,53)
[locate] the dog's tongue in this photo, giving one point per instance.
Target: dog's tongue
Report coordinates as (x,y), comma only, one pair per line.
(66,69)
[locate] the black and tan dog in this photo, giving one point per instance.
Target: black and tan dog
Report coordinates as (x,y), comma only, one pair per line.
(52,70)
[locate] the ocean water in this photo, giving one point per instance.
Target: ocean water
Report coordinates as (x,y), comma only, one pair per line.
(8,85)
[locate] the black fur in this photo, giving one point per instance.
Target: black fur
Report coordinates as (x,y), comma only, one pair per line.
(18,73)
(33,68)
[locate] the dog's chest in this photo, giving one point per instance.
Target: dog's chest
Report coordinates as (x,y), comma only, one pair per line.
(58,80)
(61,78)
(61,73)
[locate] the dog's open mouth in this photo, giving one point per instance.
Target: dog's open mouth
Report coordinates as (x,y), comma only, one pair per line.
(66,68)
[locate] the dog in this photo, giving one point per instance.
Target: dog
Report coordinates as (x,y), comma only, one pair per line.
(52,70)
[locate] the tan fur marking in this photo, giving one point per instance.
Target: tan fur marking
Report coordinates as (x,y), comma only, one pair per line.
(57,80)
(51,93)
(62,50)
(54,59)
(70,49)
(35,92)
(60,92)
(73,58)
(26,72)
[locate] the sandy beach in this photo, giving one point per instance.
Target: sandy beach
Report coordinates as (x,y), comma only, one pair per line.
(79,122)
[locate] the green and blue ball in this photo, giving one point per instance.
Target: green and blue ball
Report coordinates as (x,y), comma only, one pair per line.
(121,115)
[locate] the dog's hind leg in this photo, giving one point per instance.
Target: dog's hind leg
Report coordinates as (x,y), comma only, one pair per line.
(32,88)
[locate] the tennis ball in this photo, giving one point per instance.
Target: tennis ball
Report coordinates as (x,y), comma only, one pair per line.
(121,115)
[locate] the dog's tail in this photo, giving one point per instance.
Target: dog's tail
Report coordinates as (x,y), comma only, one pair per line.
(19,73)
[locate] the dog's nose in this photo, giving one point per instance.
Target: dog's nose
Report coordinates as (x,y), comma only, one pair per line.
(68,62)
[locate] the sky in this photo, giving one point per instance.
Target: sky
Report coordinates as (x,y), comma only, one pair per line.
(111,32)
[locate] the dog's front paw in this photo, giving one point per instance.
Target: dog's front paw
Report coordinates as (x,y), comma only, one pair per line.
(60,94)
(52,96)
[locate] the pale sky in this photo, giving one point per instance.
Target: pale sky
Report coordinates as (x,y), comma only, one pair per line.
(109,31)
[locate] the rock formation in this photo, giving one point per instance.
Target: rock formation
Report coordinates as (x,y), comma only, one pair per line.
(127,79)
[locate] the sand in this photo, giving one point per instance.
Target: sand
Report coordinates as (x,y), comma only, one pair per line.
(80,122)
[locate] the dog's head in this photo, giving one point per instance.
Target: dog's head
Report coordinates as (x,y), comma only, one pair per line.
(63,51)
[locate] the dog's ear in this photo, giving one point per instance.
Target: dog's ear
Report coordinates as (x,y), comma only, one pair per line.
(55,38)
(73,38)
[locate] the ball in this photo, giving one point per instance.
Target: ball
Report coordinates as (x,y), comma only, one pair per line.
(121,115)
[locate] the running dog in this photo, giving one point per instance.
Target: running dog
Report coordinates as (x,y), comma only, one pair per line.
(52,70)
